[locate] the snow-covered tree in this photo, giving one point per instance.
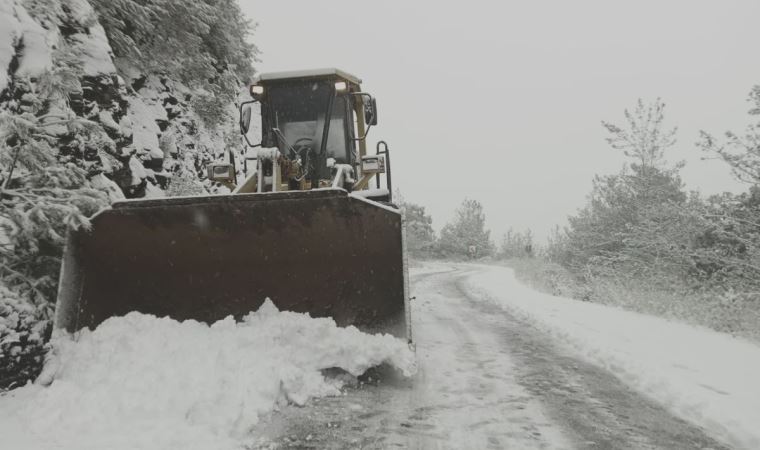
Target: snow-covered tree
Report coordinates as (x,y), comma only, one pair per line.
(740,151)
(730,242)
(203,44)
(42,193)
(618,203)
(515,244)
(83,123)
(466,234)
(420,237)
(644,136)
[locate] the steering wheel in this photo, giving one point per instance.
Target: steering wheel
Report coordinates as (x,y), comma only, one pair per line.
(301,149)
(304,143)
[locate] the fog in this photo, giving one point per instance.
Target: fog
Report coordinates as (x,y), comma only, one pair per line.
(502,101)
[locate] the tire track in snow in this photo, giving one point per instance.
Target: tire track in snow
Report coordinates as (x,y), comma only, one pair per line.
(465,395)
(595,408)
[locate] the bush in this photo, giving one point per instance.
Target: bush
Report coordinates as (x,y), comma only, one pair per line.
(724,311)
(547,277)
(24,329)
(420,237)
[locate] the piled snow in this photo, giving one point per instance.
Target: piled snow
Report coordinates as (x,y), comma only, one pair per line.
(358,196)
(103,183)
(708,378)
(371,193)
(142,382)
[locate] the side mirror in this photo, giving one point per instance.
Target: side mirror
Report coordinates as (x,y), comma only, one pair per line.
(370,111)
(245,117)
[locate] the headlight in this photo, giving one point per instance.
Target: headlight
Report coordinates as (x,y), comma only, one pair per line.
(220,172)
(257,90)
(340,86)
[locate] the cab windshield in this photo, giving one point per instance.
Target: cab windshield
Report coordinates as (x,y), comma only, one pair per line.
(298,111)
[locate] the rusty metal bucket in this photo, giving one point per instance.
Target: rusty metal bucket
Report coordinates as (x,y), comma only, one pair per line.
(321,252)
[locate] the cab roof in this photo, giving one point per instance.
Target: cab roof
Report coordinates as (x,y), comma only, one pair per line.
(310,73)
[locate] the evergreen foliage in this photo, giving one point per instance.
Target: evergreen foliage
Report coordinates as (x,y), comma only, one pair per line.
(515,244)
(75,135)
(644,136)
(42,193)
(466,232)
(643,242)
(601,233)
(203,44)
(740,151)
(420,237)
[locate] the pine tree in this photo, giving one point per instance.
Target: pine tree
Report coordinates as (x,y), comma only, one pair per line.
(644,136)
(203,44)
(42,193)
(729,247)
(420,237)
(62,132)
(515,244)
(618,203)
(740,151)
(467,235)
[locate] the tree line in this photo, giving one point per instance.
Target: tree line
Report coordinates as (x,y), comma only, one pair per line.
(465,236)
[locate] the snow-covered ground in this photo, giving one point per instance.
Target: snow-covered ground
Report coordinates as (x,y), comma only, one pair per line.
(488,378)
(144,382)
(500,366)
(466,394)
(708,378)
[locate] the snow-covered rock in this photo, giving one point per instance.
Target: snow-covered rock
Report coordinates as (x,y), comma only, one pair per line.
(136,135)
(36,55)
(136,111)
(10,32)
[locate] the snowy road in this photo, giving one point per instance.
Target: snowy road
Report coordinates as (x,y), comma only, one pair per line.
(487,379)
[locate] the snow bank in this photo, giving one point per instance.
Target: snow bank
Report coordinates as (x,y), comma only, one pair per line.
(708,378)
(143,382)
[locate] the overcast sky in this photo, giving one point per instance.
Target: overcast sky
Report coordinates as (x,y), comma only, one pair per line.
(502,101)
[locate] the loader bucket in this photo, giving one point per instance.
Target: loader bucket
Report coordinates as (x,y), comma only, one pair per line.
(322,252)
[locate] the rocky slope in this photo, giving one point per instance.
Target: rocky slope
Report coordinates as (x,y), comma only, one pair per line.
(129,130)
(153,134)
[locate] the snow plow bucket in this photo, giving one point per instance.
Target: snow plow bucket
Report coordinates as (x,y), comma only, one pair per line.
(322,252)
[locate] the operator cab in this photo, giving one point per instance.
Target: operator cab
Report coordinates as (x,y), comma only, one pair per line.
(314,125)
(298,108)
(314,118)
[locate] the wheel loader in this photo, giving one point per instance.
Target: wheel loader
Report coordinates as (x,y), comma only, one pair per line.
(310,227)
